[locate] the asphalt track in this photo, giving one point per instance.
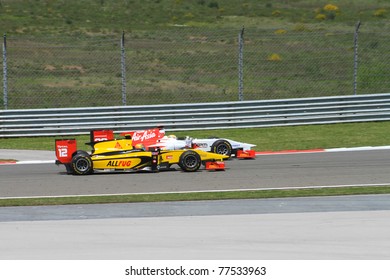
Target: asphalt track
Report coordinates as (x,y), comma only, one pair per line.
(327,228)
(267,171)
(351,227)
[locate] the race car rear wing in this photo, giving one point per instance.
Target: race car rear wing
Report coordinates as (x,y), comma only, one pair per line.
(101,135)
(65,148)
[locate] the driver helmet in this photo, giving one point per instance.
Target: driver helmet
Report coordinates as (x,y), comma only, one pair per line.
(140,146)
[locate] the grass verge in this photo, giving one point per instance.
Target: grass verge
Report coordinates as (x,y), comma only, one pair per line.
(266,138)
(255,194)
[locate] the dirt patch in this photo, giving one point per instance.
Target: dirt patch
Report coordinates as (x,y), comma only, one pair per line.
(50,68)
(74,67)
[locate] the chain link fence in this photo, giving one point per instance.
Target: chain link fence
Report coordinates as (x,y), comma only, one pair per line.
(192,65)
(62,72)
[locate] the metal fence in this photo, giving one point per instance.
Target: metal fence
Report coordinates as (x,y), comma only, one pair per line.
(196,116)
(192,65)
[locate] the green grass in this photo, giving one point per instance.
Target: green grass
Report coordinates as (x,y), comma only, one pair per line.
(181,51)
(266,139)
(105,16)
(255,194)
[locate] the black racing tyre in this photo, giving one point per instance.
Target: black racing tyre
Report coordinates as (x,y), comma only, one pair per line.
(190,161)
(82,164)
(222,147)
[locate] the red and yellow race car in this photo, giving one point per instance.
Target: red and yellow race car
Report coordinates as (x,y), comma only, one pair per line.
(121,155)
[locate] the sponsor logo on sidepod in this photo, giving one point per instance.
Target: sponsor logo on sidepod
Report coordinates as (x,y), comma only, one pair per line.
(119,163)
(202,145)
(144,135)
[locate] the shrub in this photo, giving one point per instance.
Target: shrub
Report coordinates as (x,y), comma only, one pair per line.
(274,57)
(280,31)
(331,8)
(380,13)
(320,17)
(329,11)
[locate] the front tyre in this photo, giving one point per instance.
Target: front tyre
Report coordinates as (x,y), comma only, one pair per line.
(190,161)
(82,164)
(222,147)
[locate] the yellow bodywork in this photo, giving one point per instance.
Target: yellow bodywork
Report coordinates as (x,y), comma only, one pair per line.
(120,154)
(173,156)
(112,146)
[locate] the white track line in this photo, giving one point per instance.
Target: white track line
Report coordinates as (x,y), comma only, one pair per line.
(203,191)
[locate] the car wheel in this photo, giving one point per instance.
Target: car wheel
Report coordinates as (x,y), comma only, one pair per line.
(82,164)
(222,147)
(190,161)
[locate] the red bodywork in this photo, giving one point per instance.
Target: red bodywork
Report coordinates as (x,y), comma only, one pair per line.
(145,137)
(65,149)
(101,135)
(150,137)
(246,154)
(215,165)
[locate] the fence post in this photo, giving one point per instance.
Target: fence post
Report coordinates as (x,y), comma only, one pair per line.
(5,77)
(355,59)
(241,65)
(123,67)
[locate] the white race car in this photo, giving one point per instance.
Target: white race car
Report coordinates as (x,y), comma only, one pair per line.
(156,138)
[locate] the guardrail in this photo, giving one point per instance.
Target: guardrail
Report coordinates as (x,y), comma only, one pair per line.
(222,115)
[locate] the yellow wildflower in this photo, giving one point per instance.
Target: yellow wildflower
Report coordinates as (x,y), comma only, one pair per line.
(321,17)
(280,31)
(331,8)
(274,57)
(380,13)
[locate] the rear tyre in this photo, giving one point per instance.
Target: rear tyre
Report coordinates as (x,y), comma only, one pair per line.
(222,147)
(190,161)
(82,164)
